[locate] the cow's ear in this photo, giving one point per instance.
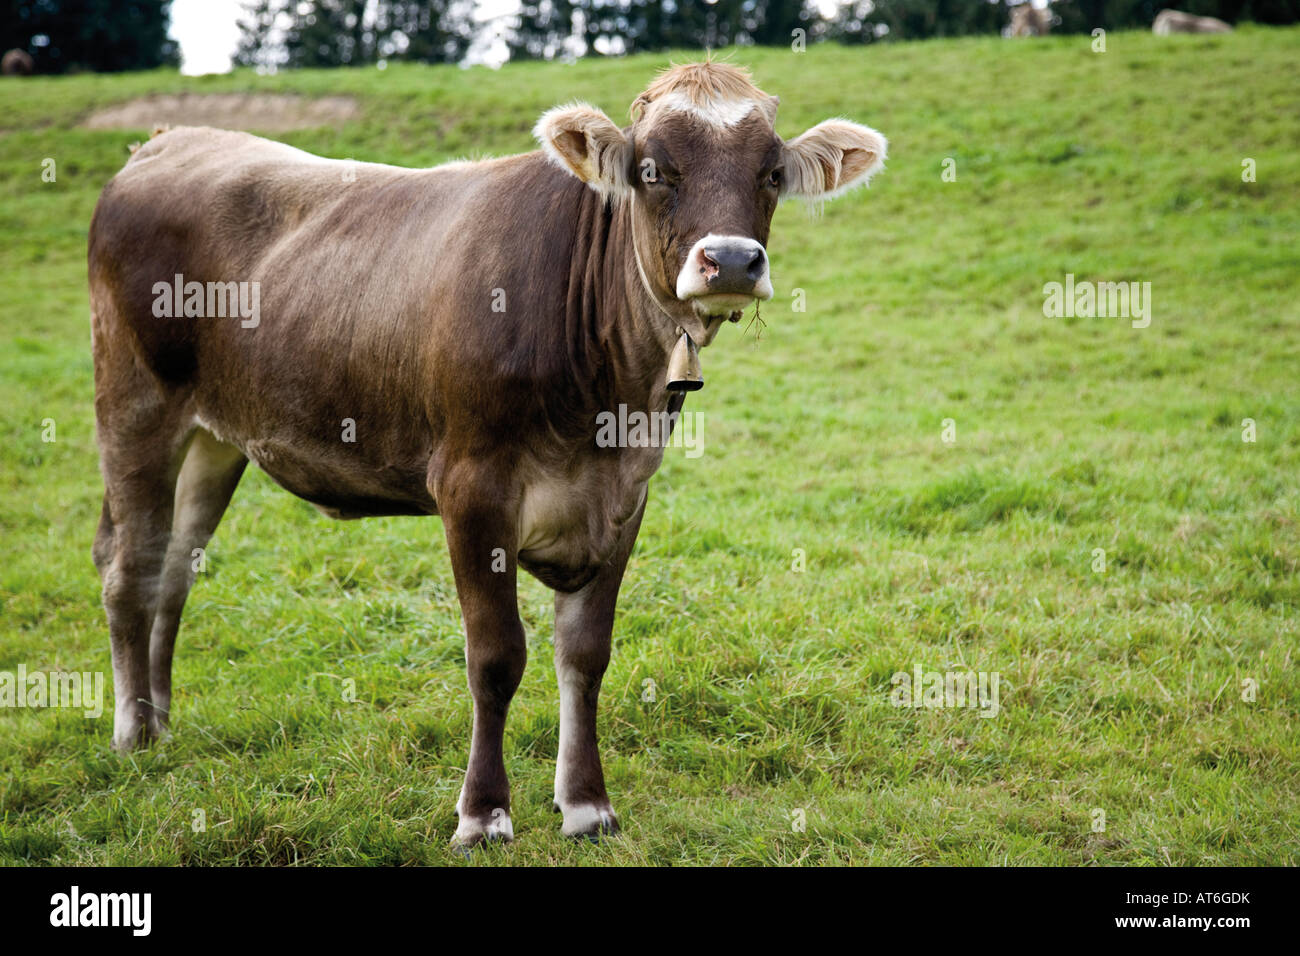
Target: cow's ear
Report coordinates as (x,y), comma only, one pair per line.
(583,140)
(832,158)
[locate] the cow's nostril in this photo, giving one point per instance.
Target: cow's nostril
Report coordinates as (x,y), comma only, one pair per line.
(708,265)
(756,265)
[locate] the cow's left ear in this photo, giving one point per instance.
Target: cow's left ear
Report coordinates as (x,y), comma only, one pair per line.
(583,140)
(832,158)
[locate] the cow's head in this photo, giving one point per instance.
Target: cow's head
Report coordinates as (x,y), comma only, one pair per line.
(703,168)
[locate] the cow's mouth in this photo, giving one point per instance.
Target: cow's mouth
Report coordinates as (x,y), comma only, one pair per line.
(721,305)
(708,313)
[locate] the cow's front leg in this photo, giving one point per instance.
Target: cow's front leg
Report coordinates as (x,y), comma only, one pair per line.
(584,621)
(481,537)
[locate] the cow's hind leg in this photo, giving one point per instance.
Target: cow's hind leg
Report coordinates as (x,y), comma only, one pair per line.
(208,477)
(139,455)
(584,622)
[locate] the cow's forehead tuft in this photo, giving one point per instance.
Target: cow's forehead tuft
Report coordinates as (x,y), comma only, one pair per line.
(719,93)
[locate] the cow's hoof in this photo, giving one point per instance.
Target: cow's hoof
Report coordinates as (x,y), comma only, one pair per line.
(589,820)
(476,830)
(139,734)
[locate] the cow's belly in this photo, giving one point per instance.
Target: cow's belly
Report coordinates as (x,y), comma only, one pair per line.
(341,483)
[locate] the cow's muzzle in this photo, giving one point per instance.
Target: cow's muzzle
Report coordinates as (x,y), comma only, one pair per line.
(723,274)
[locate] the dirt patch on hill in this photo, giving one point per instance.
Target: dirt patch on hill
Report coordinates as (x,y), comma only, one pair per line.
(266,112)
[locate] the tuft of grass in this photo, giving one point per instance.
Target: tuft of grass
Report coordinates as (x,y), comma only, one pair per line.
(745,695)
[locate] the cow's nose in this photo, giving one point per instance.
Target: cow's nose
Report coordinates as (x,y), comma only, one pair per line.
(725,266)
(732,266)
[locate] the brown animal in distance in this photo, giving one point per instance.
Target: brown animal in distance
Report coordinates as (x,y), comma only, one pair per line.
(1028,21)
(1175,21)
(17,63)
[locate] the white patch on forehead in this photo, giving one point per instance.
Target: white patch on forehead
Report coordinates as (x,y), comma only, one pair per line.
(716,112)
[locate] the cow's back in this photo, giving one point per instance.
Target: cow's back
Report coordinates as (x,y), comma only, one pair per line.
(212,206)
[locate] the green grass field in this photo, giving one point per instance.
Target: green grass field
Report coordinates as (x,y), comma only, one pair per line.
(1121,690)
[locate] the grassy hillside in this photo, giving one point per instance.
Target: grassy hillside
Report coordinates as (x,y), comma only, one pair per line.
(1122,689)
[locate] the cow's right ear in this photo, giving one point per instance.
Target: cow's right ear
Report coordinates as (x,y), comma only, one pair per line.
(583,140)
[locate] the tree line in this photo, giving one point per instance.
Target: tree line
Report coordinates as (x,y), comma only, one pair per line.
(346,32)
(106,35)
(98,35)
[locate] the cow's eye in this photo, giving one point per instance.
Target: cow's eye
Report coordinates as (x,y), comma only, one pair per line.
(774,179)
(653,175)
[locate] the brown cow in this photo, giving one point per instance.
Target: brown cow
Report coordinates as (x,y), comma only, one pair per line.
(1175,21)
(17,63)
(1029,21)
(388,341)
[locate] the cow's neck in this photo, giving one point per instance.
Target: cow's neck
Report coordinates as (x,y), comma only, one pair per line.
(625,336)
